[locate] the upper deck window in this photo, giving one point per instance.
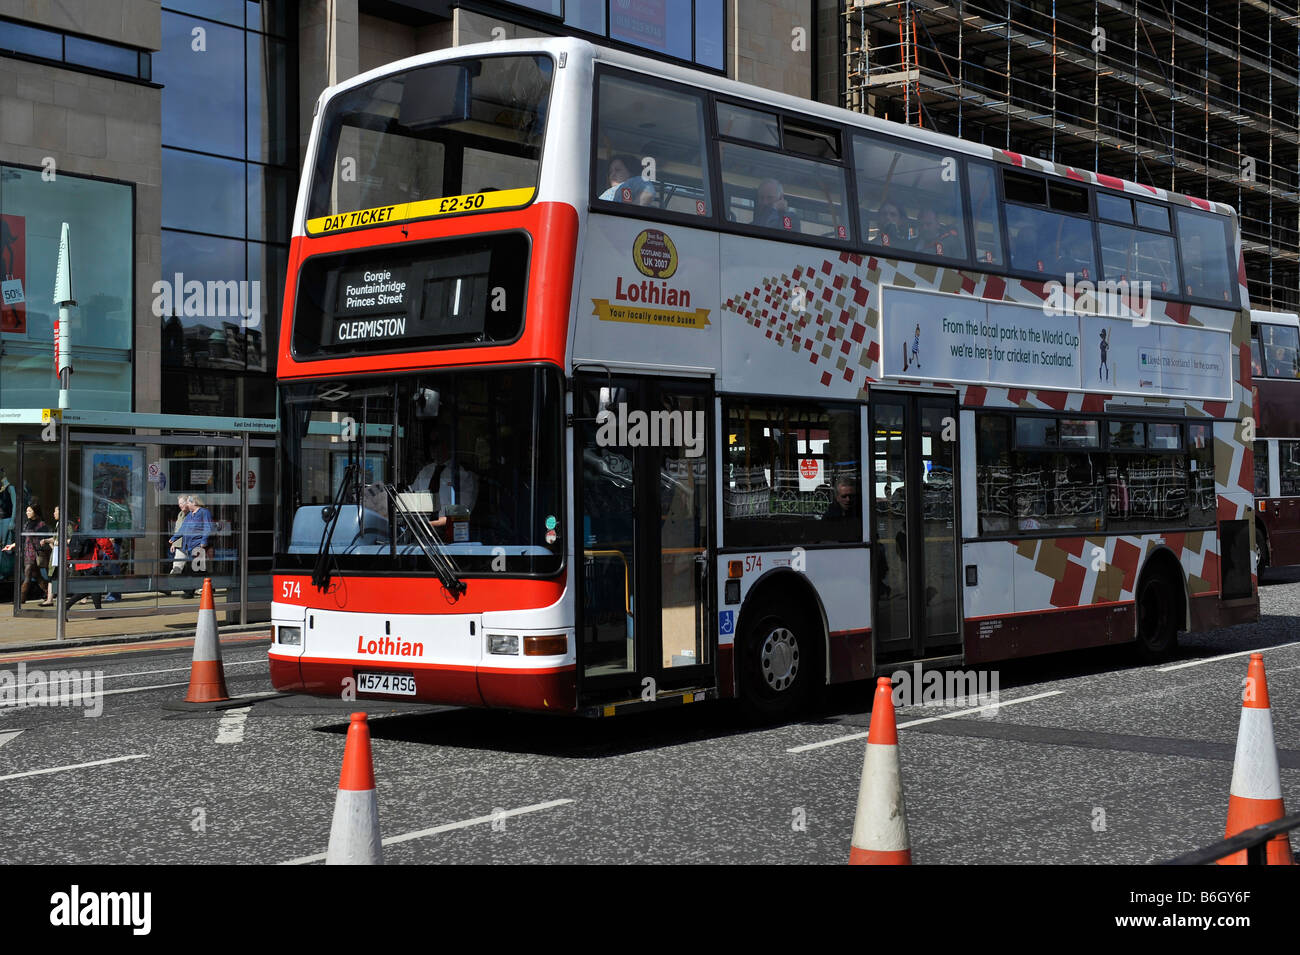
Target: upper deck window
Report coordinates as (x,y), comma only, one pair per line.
(757,126)
(1206,243)
(1046,228)
(910,198)
(650,147)
(986,213)
(784,193)
(1133,256)
(1280,348)
(466,128)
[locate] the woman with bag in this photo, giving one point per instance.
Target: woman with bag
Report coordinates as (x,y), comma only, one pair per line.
(57,561)
(35,555)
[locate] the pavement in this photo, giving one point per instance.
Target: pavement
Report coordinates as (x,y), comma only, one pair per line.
(141,616)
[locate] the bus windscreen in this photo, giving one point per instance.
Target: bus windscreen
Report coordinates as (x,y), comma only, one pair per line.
(437,140)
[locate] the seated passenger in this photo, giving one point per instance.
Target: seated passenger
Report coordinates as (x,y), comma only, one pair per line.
(1075,259)
(845,505)
(891,225)
(622,186)
(932,233)
(771,209)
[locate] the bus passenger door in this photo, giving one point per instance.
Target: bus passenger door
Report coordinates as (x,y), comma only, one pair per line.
(644,448)
(914,526)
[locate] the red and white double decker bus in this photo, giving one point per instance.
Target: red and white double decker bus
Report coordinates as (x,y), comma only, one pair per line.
(1275,371)
(589,361)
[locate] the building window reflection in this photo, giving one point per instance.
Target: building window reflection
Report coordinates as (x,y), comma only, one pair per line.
(229,165)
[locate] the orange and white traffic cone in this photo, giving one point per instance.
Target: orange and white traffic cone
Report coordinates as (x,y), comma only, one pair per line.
(354,833)
(207,678)
(880,827)
(1256,794)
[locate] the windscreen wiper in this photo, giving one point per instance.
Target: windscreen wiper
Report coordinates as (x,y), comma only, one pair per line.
(322,572)
(424,535)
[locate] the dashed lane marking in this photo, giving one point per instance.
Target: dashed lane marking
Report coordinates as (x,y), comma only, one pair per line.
(1224,656)
(448,827)
(64,769)
(231,727)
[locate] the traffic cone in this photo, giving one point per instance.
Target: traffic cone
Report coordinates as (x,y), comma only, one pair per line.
(1256,794)
(207,678)
(880,827)
(354,834)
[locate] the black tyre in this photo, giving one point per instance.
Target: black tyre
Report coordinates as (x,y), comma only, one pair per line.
(778,665)
(1261,553)
(1157,622)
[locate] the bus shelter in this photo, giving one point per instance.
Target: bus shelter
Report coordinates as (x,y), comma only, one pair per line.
(123,478)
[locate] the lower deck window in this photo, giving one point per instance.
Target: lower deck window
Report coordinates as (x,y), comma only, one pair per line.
(791,473)
(1147,478)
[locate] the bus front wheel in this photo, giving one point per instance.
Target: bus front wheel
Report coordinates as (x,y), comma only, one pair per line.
(1157,622)
(777,666)
(1261,553)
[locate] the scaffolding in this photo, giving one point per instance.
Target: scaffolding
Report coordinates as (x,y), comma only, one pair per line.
(1201,99)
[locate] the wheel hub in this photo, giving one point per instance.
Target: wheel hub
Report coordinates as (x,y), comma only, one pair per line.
(779,659)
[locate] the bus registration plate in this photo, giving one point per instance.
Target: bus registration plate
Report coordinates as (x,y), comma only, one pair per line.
(396,684)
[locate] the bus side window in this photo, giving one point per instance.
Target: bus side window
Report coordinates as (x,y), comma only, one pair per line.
(909,198)
(986,214)
(1281,345)
(665,171)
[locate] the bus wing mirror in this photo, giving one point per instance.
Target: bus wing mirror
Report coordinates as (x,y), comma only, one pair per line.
(611,398)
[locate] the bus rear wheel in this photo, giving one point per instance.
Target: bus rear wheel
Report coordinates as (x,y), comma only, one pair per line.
(1261,553)
(1157,623)
(777,665)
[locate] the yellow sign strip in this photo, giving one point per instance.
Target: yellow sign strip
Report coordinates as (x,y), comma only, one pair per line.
(421,209)
(641,315)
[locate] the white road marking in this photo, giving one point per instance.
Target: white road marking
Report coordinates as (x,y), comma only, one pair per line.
(928,719)
(227,665)
(64,769)
(77,699)
(8,735)
(119,676)
(1226,656)
(231,727)
(449,827)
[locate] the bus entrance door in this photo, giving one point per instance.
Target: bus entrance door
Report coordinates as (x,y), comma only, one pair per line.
(914,530)
(643,448)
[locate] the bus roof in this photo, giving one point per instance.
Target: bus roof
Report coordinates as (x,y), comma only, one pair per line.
(1275,318)
(589,52)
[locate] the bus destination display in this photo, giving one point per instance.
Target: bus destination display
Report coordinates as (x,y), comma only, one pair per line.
(371,293)
(449,292)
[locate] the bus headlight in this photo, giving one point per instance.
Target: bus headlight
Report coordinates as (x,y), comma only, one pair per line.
(289,636)
(504,644)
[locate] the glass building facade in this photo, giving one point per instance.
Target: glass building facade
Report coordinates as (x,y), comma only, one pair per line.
(229,171)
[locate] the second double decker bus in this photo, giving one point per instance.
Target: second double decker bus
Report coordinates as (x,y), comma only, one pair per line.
(1275,370)
(606,384)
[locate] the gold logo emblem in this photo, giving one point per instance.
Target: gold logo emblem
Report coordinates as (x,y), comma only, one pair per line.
(654,254)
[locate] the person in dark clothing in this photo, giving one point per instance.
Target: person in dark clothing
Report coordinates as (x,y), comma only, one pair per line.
(34,555)
(845,504)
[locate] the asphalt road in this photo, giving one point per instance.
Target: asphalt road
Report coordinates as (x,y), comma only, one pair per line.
(1090,758)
